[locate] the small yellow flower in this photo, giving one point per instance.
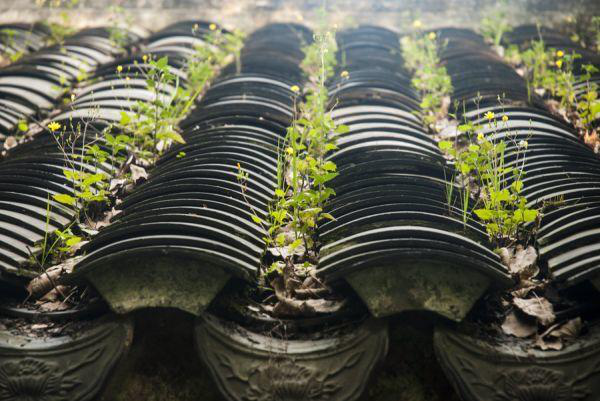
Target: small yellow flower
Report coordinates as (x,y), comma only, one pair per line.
(560,53)
(559,63)
(145,58)
(54,126)
(212,27)
(289,150)
(345,74)
(119,68)
(295,89)
(417,24)
(480,137)
(505,118)
(490,115)
(72,97)
(523,144)
(239,166)
(432,36)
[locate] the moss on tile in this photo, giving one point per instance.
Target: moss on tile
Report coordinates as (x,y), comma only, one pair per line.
(162,281)
(412,285)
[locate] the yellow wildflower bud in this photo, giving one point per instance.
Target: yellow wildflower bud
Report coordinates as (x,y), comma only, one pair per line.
(432,36)
(239,166)
(119,68)
(54,126)
(289,150)
(417,24)
(145,58)
(212,27)
(490,115)
(559,63)
(505,118)
(345,74)
(480,137)
(295,89)
(72,97)
(560,53)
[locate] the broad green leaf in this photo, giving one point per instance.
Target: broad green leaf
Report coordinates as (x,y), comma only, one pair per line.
(530,215)
(73,241)
(342,129)
(329,166)
(125,118)
(517,186)
(297,242)
(484,214)
(256,219)
(162,62)
(445,145)
(65,199)
(279,192)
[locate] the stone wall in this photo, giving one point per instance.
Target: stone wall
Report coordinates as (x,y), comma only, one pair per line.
(249,14)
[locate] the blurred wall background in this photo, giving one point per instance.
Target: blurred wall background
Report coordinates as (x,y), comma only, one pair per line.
(249,14)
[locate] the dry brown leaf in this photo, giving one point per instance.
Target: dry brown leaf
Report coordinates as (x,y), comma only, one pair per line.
(520,261)
(138,173)
(10,142)
(55,294)
(54,306)
(545,345)
(107,218)
(519,327)
(45,282)
(538,307)
(570,329)
(116,183)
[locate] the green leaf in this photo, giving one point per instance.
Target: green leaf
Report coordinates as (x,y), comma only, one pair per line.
(73,241)
(342,129)
(484,214)
(329,166)
(297,242)
(92,179)
(445,145)
(279,215)
(256,219)
(327,216)
(279,192)
(65,199)
(125,119)
(527,215)
(500,196)
(322,179)
(162,62)
(517,186)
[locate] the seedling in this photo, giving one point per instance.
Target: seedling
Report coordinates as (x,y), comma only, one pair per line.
(496,185)
(420,52)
